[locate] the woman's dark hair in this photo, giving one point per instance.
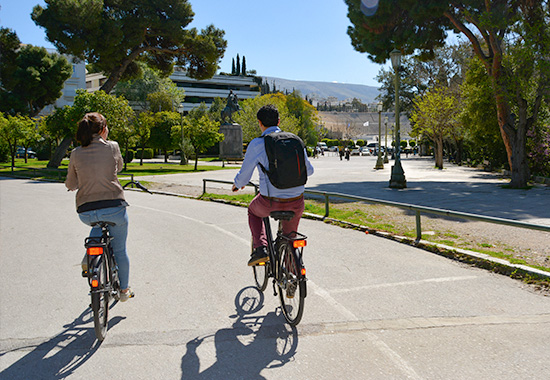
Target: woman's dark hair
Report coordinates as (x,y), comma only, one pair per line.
(90,124)
(268,115)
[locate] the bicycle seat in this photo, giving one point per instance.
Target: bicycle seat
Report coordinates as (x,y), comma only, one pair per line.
(282,215)
(102,223)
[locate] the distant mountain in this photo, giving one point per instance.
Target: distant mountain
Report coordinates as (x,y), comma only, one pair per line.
(323,90)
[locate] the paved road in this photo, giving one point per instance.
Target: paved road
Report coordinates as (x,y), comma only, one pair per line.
(376,309)
(454,188)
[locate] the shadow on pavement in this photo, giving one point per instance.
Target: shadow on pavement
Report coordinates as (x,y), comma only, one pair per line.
(489,199)
(253,343)
(60,356)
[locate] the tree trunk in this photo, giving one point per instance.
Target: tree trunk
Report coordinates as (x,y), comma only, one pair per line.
(438,153)
(196,159)
(520,167)
(60,152)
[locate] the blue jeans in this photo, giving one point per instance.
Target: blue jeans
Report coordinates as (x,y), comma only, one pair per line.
(119,232)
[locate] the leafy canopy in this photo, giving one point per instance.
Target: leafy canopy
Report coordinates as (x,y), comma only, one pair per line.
(30,77)
(112,34)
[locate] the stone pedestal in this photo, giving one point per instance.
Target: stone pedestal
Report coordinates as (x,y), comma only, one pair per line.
(231,148)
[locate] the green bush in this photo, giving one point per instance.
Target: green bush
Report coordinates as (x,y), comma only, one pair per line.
(361,143)
(131,155)
(147,153)
(4,152)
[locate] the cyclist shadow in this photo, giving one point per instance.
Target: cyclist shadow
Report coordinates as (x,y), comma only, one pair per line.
(61,355)
(252,344)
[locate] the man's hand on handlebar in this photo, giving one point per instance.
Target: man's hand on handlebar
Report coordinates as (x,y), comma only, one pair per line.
(235,188)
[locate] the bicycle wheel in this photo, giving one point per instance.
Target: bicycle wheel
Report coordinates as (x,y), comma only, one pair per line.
(100,300)
(260,276)
(114,280)
(292,290)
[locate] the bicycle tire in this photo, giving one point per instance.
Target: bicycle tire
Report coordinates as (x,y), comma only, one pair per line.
(292,288)
(261,276)
(100,301)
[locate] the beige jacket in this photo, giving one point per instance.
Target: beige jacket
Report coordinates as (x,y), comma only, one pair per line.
(93,172)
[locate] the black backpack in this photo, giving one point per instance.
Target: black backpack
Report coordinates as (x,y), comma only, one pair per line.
(287,163)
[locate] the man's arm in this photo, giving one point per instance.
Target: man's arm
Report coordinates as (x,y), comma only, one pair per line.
(251,159)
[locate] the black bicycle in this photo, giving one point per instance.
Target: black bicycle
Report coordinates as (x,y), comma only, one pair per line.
(286,267)
(102,273)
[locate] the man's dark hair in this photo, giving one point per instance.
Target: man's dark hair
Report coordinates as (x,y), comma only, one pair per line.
(268,115)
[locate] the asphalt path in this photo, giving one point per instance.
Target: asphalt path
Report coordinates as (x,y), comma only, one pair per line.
(376,309)
(457,188)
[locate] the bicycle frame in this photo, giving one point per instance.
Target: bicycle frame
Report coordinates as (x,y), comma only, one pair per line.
(297,241)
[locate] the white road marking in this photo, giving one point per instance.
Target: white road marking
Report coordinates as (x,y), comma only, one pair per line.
(403,283)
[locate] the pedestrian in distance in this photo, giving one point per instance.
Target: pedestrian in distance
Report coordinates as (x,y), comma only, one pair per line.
(272,196)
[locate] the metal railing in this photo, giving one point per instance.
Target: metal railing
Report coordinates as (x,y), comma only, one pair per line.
(405,206)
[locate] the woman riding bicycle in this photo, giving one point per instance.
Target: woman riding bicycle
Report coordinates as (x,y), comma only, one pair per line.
(93,169)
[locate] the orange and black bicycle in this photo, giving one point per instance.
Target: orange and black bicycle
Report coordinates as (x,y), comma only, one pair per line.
(285,267)
(102,273)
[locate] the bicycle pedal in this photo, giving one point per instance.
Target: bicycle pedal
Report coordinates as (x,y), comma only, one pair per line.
(85,273)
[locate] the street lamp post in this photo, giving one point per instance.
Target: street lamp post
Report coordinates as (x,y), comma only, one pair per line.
(397,179)
(386,143)
(380,160)
(182,154)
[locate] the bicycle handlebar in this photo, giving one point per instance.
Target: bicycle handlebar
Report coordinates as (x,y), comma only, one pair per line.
(138,185)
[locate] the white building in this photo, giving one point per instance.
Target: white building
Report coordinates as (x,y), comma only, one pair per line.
(76,81)
(198,91)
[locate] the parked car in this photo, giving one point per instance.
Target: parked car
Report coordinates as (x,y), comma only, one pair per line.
(356,151)
(20,153)
(323,146)
(333,149)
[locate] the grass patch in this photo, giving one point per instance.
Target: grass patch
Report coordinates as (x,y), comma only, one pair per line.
(237,198)
(38,170)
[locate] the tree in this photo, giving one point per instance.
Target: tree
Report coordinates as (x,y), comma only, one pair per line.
(243,69)
(142,130)
(307,117)
(510,37)
(435,115)
(249,108)
(233,69)
(30,77)
(138,90)
(479,117)
(63,122)
(201,131)
(113,35)
(12,131)
(161,131)
(29,134)
(238,67)
(409,87)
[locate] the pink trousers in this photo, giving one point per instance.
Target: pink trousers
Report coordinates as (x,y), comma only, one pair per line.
(260,207)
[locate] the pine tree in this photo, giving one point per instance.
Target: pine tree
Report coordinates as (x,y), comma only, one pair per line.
(244,66)
(233,70)
(238,67)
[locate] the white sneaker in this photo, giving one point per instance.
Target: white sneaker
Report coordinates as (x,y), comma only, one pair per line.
(124,296)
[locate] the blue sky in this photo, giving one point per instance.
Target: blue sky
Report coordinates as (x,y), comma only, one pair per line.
(290,39)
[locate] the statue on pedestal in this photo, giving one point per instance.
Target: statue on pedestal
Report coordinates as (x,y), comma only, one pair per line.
(231,107)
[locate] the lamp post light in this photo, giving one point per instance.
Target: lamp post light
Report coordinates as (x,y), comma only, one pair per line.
(397,179)
(380,160)
(182,154)
(386,143)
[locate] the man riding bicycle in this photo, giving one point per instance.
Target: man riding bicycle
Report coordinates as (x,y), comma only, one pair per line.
(270,197)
